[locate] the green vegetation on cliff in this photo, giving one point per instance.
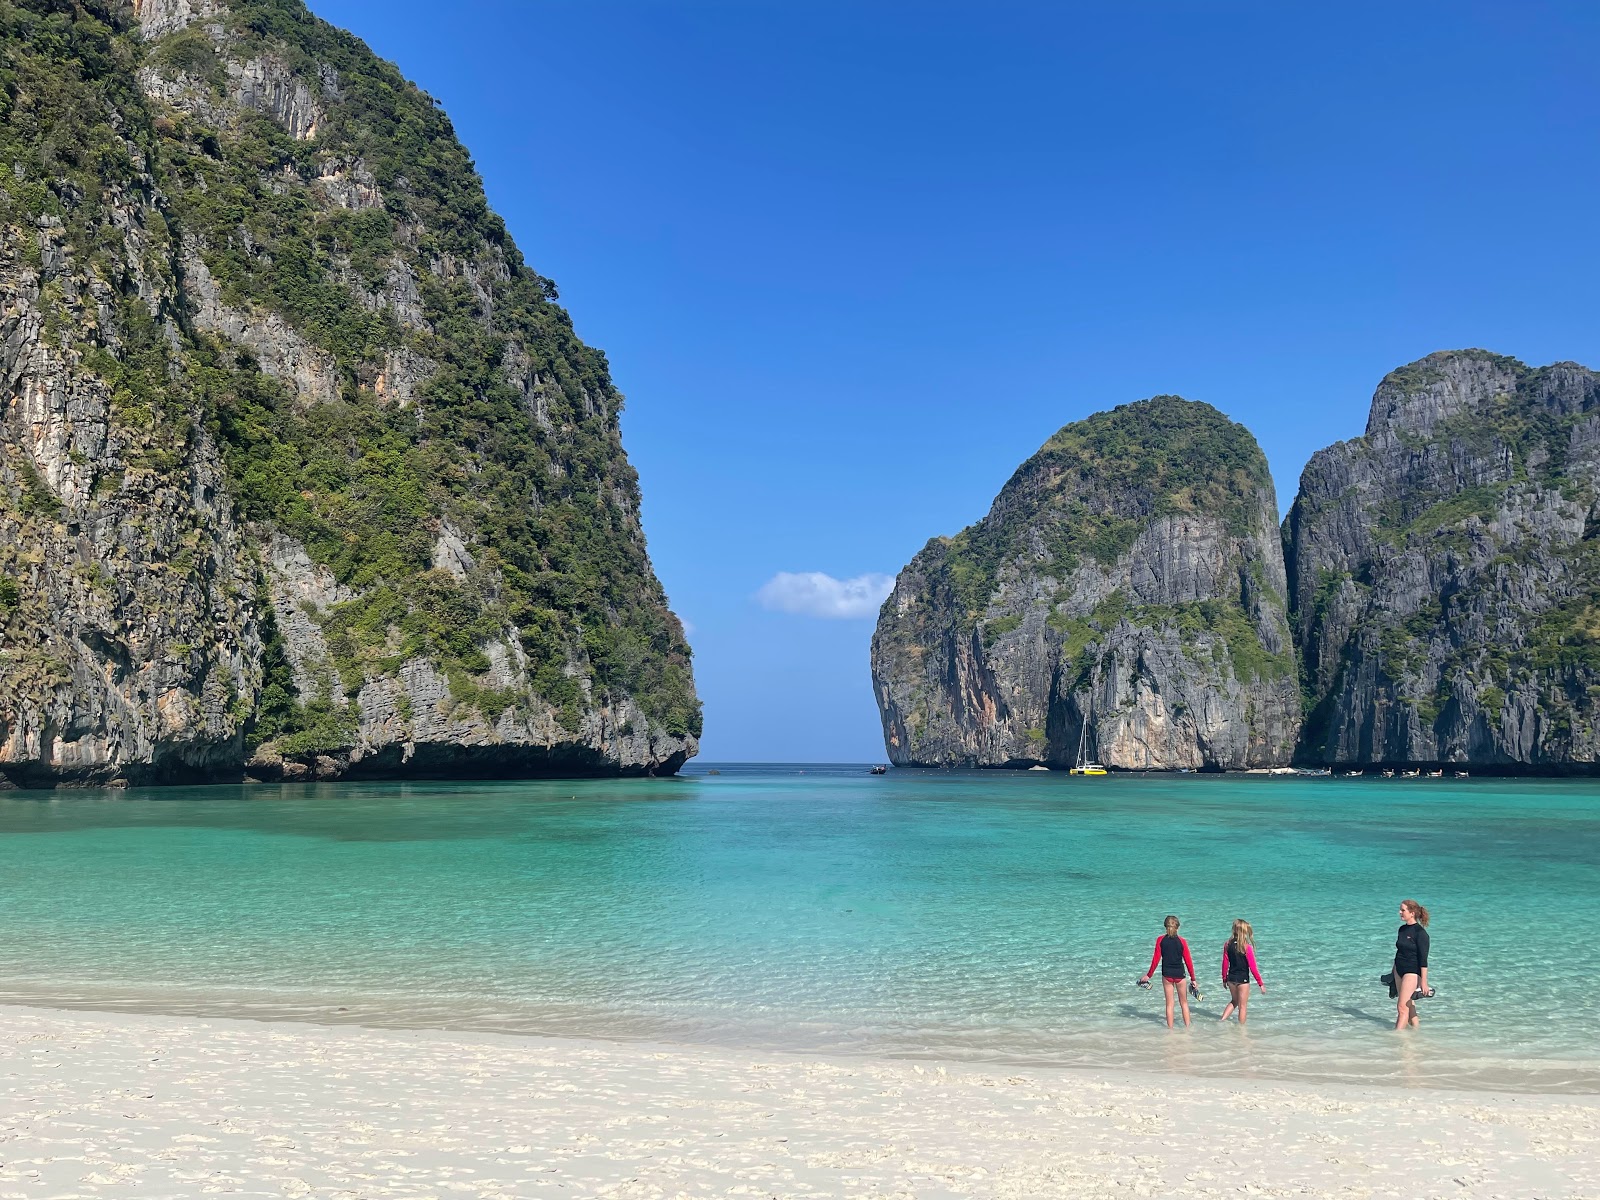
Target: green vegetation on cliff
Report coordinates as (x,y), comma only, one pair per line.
(1098,483)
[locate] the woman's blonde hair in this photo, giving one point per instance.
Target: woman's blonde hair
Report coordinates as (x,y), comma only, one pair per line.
(1243,935)
(1171,923)
(1417,911)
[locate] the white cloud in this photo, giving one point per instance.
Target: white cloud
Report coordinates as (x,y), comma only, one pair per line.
(815,594)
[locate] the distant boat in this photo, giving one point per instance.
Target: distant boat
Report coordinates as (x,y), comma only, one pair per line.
(1083,766)
(880,769)
(1038,767)
(1439,774)
(1387,773)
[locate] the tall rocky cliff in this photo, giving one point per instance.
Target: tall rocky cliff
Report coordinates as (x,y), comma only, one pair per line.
(1129,576)
(1445,569)
(302,469)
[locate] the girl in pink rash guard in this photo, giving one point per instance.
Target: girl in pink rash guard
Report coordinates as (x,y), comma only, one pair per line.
(1172,955)
(1238,965)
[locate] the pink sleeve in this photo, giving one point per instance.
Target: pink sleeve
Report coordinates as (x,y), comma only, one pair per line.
(1187,961)
(1155,958)
(1250,953)
(1224,962)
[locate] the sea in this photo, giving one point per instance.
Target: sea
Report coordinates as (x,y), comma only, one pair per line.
(992,917)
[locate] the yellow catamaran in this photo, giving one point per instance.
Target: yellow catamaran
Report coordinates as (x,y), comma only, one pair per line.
(1083,766)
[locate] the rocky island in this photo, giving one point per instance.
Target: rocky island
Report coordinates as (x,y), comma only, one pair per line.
(1125,594)
(1445,571)
(303,470)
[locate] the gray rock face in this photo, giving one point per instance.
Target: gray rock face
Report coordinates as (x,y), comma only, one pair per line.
(278,350)
(1126,592)
(158,18)
(126,632)
(175,344)
(1445,571)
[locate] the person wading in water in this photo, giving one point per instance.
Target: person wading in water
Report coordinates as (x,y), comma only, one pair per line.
(1410,963)
(1238,965)
(1177,968)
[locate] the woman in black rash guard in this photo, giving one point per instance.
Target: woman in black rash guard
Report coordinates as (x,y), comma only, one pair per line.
(1410,962)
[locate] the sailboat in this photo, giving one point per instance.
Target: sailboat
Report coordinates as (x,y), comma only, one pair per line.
(1083,766)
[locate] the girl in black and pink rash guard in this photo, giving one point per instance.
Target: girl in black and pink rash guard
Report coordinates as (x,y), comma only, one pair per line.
(1238,965)
(1177,968)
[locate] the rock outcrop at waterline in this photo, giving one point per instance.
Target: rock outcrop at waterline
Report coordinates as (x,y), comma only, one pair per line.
(303,471)
(1445,570)
(1129,578)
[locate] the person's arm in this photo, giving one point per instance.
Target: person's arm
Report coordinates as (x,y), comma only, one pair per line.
(1422,957)
(1250,953)
(1187,961)
(1224,964)
(1154,960)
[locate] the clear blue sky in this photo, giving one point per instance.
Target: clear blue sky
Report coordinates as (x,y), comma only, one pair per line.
(852,262)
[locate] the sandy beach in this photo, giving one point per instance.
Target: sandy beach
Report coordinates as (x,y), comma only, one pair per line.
(151,1106)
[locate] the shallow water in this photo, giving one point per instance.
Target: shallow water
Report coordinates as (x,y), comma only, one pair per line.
(990,915)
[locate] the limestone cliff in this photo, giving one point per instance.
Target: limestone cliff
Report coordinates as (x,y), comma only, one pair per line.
(1128,577)
(1445,571)
(303,471)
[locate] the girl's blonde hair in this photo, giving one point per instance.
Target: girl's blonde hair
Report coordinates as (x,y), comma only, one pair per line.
(1171,923)
(1417,911)
(1243,935)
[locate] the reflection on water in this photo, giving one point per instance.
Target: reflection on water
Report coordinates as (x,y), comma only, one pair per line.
(981,915)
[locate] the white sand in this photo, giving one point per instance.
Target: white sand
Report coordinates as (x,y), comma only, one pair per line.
(145,1106)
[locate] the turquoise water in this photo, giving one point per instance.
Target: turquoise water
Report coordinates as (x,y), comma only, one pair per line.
(992,916)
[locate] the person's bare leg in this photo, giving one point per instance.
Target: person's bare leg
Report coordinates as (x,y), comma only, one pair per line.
(1243,997)
(1233,1000)
(1166,986)
(1405,1010)
(1182,988)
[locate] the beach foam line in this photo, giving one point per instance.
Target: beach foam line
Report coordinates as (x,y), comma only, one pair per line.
(135,1105)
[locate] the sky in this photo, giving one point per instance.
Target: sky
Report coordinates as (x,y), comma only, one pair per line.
(853,261)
